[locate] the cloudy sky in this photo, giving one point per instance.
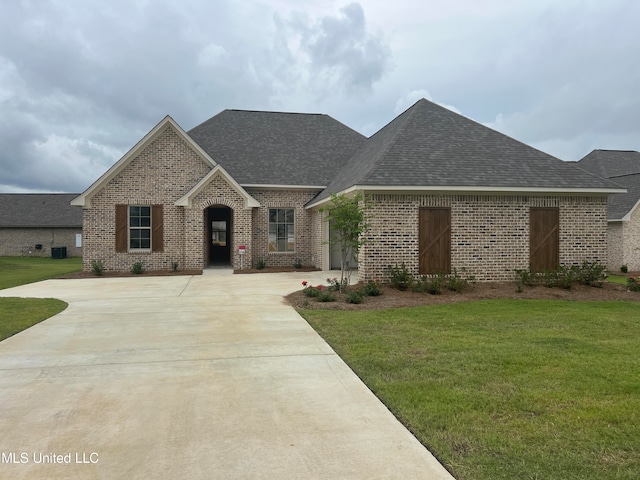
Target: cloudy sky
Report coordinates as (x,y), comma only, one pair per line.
(82,81)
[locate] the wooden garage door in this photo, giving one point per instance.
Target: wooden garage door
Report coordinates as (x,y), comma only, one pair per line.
(544,239)
(435,240)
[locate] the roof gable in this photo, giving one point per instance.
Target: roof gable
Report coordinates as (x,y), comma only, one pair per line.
(429,146)
(39,210)
(275,148)
(84,200)
(218,171)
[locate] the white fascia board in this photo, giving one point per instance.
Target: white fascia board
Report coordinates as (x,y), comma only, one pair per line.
(187,200)
(84,200)
(627,217)
(283,187)
(471,190)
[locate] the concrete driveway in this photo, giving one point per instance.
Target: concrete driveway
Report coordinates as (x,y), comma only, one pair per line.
(201,377)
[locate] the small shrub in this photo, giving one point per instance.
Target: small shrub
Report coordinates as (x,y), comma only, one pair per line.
(633,284)
(525,278)
(399,277)
(261,264)
(174,266)
(310,291)
(336,286)
(431,285)
(97,267)
(325,296)
(137,267)
(591,273)
(353,297)
(371,288)
(297,263)
(456,283)
(624,269)
(563,277)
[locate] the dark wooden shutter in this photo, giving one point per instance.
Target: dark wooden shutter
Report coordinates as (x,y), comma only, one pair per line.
(544,239)
(435,241)
(122,228)
(157,229)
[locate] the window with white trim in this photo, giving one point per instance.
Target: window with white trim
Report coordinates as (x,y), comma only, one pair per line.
(281,230)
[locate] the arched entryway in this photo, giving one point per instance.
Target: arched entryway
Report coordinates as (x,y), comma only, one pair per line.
(218,234)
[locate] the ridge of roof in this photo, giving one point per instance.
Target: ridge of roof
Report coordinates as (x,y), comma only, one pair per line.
(432,146)
(276,148)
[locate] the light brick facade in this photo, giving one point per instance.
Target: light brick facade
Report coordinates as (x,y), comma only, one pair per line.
(161,174)
(304,235)
(23,241)
(624,243)
(489,233)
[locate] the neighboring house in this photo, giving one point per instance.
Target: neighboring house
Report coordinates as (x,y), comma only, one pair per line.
(448,194)
(623,168)
(31,224)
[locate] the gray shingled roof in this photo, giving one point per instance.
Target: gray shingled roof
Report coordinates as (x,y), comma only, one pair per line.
(429,145)
(33,210)
(271,148)
(621,167)
(611,163)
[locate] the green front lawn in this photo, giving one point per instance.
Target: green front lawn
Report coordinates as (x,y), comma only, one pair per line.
(505,389)
(17,314)
(16,271)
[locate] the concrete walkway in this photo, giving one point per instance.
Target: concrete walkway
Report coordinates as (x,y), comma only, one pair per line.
(203,377)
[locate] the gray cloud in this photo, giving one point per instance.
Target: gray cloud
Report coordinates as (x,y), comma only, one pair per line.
(82,82)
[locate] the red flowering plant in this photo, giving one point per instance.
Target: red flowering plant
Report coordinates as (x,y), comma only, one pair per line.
(310,290)
(633,284)
(316,292)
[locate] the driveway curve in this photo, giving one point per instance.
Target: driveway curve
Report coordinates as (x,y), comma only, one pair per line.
(199,377)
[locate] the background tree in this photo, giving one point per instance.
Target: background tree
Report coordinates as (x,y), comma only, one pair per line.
(347,217)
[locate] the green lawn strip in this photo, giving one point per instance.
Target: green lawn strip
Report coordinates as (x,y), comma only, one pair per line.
(505,389)
(17,314)
(621,279)
(16,271)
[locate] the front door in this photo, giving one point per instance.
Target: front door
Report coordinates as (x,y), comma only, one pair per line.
(219,235)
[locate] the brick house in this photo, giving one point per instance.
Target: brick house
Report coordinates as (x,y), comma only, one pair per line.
(448,194)
(31,224)
(623,168)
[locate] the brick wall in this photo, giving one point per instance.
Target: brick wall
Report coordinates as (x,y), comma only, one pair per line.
(305,238)
(218,193)
(630,243)
(163,173)
(152,177)
(22,241)
(489,233)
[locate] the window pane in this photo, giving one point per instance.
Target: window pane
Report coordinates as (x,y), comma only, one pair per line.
(282,245)
(273,215)
(145,243)
(145,211)
(145,233)
(134,211)
(289,214)
(134,221)
(145,221)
